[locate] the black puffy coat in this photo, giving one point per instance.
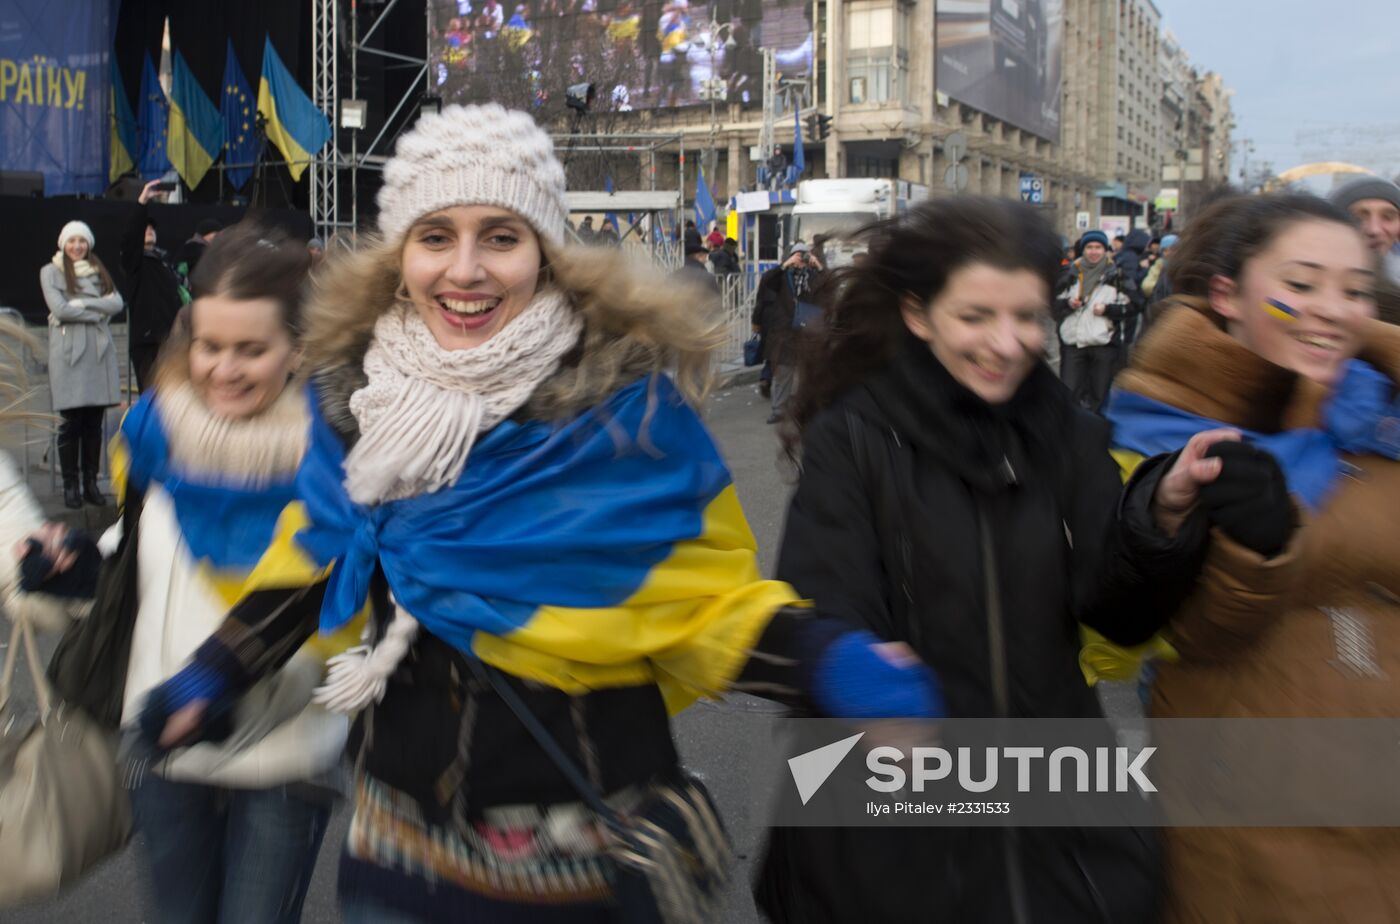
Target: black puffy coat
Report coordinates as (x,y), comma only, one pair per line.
(905,481)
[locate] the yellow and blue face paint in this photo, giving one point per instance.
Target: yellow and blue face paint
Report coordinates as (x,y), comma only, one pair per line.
(1280,310)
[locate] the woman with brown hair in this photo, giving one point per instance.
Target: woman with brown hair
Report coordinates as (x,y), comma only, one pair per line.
(82,357)
(1294,613)
(204,466)
(954,498)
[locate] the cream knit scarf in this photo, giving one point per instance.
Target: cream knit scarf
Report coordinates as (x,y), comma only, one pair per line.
(80,267)
(250,452)
(424,406)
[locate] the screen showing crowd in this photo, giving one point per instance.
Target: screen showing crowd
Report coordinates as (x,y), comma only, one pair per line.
(638,55)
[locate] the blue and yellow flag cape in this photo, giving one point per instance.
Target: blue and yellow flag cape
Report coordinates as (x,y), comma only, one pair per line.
(609,550)
(239,537)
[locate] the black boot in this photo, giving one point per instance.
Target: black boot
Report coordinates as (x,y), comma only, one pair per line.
(92,459)
(68,465)
(91,493)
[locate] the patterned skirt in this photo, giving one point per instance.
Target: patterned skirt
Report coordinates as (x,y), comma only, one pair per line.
(516,863)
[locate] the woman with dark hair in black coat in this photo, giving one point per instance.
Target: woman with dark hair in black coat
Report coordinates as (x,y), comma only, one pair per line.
(953,497)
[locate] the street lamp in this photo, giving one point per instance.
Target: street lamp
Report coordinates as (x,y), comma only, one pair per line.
(714,89)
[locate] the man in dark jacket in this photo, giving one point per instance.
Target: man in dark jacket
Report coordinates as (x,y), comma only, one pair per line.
(725,258)
(187,258)
(693,269)
(1131,271)
(152,289)
(775,318)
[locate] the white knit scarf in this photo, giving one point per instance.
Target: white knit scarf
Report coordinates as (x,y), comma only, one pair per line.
(424,406)
(250,452)
(80,267)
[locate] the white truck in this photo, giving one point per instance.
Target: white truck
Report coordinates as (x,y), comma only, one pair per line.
(837,207)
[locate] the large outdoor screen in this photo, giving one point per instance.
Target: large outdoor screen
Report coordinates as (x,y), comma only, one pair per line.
(637,55)
(1003,57)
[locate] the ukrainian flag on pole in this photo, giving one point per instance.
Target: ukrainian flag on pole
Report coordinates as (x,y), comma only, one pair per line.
(196,129)
(294,123)
(124,134)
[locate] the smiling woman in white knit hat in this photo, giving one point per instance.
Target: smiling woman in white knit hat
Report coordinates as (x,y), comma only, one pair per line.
(506,462)
(82,358)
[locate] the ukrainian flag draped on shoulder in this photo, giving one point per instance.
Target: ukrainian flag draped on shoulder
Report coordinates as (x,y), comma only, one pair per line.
(233,532)
(609,550)
(294,123)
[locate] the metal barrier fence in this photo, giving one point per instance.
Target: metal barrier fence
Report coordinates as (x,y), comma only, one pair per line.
(736,297)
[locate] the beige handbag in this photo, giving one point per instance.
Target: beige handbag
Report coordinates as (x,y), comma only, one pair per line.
(62,805)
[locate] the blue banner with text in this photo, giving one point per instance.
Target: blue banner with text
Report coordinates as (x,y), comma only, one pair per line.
(55,95)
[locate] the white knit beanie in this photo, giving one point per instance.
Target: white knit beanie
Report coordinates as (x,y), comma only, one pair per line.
(474,155)
(76,229)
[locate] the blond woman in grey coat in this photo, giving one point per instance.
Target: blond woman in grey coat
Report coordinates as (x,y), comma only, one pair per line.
(82,357)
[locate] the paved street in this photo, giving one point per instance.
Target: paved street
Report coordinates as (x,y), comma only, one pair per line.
(714,739)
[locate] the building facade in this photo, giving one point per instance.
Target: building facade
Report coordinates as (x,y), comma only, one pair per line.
(1129,104)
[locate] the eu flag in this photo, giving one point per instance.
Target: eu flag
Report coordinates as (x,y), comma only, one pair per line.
(151,125)
(240,140)
(294,123)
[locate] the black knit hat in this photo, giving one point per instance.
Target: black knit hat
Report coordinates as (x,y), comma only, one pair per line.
(1367,187)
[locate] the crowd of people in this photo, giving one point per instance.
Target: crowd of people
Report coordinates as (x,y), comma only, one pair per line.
(443,509)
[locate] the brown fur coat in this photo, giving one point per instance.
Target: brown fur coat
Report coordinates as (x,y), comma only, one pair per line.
(1260,638)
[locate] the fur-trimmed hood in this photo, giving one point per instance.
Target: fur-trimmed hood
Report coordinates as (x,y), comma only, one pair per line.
(636,322)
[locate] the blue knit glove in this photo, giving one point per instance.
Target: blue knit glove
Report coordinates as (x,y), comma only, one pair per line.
(193,683)
(851,680)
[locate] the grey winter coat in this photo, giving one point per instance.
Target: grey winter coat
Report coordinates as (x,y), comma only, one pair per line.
(83,361)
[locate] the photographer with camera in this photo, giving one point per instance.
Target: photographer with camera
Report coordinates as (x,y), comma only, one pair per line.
(1094,308)
(152,289)
(784,309)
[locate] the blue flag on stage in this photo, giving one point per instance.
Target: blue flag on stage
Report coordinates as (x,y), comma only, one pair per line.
(704,204)
(799,156)
(239,110)
(151,118)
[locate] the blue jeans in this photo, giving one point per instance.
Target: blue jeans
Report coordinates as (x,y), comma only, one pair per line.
(226,856)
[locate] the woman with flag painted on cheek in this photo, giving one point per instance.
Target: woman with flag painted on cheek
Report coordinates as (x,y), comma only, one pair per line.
(507,464)
(1271,332)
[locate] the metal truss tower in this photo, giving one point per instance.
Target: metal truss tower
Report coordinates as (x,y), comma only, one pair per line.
(325,167)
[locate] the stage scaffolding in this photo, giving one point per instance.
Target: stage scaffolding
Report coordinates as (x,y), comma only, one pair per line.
(640,212)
